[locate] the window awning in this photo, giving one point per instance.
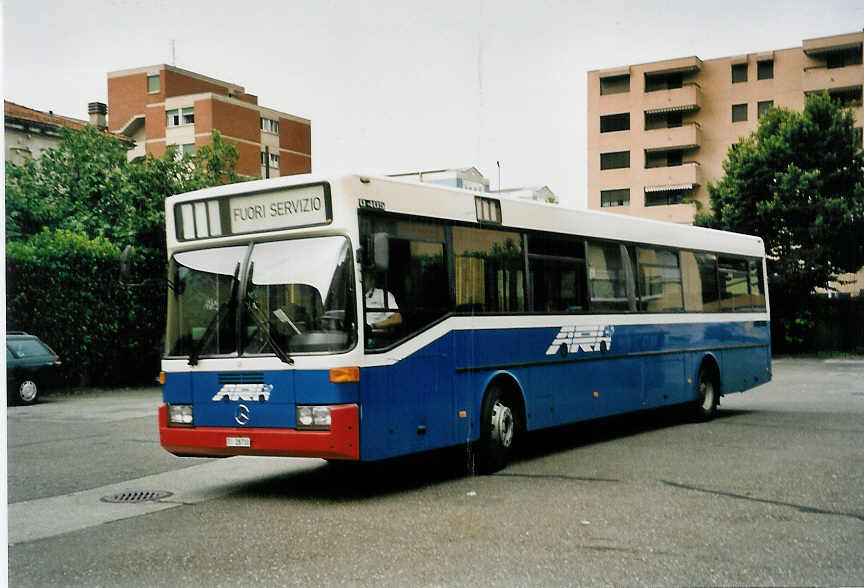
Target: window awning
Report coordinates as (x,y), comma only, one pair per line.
(672,108)
(669,187)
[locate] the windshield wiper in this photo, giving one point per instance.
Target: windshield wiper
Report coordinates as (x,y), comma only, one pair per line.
(264,326)
(217,319)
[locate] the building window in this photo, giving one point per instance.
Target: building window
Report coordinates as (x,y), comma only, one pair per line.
(762,107)
(177,117)
(611,123)
(273,161)
(615,85)
(152,84)
(189,149)
(844,57)
(610,198)
(739,72)
(765,69)
(667,197)
(615,160)
(739,112)
(269,125)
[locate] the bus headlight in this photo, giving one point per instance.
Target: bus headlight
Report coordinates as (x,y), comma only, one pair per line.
(313,417)
(180,414)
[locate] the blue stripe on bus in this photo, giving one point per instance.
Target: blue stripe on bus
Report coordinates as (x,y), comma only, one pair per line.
(415,404)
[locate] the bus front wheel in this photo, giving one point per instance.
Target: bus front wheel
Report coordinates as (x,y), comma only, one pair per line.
(708,397)
(498,428)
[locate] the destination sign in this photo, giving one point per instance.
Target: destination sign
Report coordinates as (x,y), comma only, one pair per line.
(271,210)
(281,209)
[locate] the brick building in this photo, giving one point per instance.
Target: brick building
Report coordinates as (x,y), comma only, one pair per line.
(659,132)
(163,105)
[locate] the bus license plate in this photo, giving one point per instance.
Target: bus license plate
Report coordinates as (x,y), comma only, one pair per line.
(238,442)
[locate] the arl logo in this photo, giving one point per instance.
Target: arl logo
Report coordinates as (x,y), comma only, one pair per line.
(247,392)
(585,339)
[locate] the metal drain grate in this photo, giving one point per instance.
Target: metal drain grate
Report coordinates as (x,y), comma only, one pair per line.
(137,496)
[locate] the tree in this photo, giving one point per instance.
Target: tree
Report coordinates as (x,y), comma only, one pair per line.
(69,214)
(797,182)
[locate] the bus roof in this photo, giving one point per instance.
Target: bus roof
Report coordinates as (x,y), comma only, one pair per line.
(541,216)
(403,196)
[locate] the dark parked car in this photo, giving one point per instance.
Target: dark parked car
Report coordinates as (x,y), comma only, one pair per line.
(31,366)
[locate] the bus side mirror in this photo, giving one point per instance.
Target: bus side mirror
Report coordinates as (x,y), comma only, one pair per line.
(381,251)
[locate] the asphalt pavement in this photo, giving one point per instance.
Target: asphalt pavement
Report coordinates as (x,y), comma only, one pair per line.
(769,493)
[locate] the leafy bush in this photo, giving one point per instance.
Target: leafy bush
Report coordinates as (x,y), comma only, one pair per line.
(68,217)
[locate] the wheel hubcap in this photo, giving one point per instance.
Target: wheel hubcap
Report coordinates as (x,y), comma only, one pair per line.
(706,392)
(27,391)
(502,424)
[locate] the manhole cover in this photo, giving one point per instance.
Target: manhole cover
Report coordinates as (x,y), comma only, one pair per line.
(137,496)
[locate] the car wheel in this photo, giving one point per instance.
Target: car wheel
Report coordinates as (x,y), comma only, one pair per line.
(708,398)
(498,430)
(27,391)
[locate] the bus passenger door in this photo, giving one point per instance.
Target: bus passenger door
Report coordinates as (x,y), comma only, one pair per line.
(416,394)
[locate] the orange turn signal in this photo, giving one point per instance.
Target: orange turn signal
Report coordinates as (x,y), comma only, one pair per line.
(162,378)
(344,375)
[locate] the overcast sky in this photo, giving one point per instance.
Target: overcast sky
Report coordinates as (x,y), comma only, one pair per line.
(398,85)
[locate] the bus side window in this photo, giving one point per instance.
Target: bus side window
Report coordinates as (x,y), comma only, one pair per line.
(757,284)
(659,280)
(734,289)
(556,274)
(607,278)
(489,270)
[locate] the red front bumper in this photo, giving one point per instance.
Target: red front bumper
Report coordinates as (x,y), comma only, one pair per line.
(342,441)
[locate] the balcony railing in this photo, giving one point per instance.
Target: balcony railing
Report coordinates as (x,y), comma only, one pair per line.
(687,175)
(686,98)
(685,137)
(818,78)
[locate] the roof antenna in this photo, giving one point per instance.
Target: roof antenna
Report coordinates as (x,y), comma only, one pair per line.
(173,53)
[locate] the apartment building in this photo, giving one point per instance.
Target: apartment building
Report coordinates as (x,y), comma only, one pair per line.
(162,105)
(659,132)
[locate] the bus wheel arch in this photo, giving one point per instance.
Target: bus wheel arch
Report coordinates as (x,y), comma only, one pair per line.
(709,387)
(502,421)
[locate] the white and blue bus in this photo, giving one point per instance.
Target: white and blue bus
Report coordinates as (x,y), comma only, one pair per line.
(362,318)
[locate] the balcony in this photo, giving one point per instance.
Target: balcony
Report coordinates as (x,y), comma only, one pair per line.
(685,137)
(817,47)
(679,177)
(820,77)
(687,98)
(683,65)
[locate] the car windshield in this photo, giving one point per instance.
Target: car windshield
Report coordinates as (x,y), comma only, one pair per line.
(27,348)
(298,298)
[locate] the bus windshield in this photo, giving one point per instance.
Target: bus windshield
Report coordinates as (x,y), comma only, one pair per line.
(298,298)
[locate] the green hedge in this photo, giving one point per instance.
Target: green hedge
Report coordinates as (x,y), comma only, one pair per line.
(64,287)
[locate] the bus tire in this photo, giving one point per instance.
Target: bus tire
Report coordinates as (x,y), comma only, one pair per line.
(498,429)
(708,397)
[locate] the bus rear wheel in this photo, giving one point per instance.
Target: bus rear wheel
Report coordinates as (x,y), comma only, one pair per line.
(708,397)
(498,429)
